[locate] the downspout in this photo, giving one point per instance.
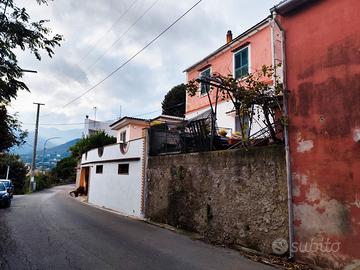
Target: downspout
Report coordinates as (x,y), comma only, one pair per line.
(145,176)
(273,61)
(286,138)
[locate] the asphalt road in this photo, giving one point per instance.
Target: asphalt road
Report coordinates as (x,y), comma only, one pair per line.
(50,230)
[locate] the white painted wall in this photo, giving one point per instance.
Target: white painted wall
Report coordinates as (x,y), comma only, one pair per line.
(118,192)
(119,131)
(223,120)
(91,125)
(227,121)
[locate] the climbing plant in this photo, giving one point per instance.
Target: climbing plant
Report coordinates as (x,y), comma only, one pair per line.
(258,93)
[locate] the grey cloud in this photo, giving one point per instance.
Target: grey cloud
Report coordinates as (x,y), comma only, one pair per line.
(139,87)
(66,71)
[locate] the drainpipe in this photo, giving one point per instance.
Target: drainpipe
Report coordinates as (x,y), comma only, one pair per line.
(273,61)
(286,138)
(146,179)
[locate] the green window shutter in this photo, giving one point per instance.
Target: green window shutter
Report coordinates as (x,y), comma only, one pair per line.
(204,87)
(241,59)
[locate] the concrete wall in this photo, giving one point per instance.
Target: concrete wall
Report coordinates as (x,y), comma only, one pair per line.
(323,66)
(233,197)
(123,193)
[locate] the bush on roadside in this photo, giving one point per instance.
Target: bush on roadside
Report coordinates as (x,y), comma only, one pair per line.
(65,171)
(17,173)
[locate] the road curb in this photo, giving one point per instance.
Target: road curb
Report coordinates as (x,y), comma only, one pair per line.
(194,236)
(106,209)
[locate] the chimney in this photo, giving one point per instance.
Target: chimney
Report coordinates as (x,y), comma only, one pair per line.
(229,36)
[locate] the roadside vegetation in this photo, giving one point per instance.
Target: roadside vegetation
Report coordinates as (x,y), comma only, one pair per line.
(99,139)
(174,101)
(18,171)
(63,173)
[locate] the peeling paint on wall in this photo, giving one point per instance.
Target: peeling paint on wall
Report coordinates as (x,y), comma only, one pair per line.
(322,214)
(356,135)
(331,221)
(357,202)
(301,178)
(355,265)
(313,195)
(304,145)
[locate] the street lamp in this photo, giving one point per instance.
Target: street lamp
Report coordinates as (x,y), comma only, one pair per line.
(43,159)
(28,71)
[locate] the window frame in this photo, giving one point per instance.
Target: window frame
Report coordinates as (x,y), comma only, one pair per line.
(200,86)
(128,168)
(248,47)
(99,166)
(121,133)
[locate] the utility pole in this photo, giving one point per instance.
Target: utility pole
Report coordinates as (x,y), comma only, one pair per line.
(33,163)
(7,172)
(95,108)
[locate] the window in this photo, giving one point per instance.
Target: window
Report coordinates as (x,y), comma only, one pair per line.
(203,86)
(123,136)
(99,169)
(241,63)
(123,168)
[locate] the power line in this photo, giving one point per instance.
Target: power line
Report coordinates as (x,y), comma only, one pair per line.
(55,124)
(132,57)
(147,113)
(81,123)
(112,26)
(167,108)
(123,34)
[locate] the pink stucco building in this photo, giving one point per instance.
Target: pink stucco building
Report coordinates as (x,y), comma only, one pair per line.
(240,56)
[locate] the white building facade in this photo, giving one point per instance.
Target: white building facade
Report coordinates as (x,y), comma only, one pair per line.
(114,177)
(92,126)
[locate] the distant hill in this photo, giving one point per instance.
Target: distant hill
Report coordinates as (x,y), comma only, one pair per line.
(52,155)
(62,148)
(63,136)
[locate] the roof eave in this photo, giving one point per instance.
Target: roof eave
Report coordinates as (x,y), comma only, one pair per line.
(126,120)
(289,5)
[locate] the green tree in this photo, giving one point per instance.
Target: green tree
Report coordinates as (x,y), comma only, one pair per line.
(17,31)
(65,170)
(18,170)
(10,131)
(174,101)
(96,140)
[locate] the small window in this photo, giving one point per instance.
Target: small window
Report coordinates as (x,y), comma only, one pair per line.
(123,168)
(241,59)
(123,136)
(99,169)
(205,87)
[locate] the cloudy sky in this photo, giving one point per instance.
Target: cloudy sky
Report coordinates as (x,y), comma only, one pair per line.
(100,35)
